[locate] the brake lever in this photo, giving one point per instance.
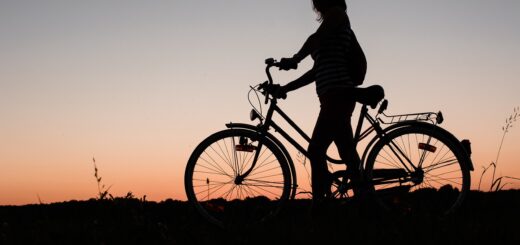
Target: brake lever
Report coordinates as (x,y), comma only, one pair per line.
(263,86)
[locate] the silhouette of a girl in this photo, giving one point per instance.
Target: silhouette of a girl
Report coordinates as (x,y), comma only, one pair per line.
(339,66)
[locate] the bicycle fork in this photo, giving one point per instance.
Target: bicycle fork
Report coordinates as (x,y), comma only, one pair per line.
(244,146)
(262,129)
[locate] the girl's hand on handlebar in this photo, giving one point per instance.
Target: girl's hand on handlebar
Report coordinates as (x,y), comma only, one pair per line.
(287,64)
(279,92)
(275,90)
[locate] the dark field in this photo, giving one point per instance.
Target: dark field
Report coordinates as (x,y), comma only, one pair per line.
(485,218)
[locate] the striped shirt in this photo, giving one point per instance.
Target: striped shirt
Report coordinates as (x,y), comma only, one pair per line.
(331,62)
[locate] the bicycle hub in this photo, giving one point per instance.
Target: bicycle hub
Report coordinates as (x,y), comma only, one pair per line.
(418,176)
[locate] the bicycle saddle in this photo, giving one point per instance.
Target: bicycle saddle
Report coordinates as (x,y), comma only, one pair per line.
(371,95)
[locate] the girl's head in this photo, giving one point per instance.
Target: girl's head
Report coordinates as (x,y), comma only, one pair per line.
(321,6)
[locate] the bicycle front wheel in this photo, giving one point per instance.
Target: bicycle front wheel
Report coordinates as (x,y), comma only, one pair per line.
(419,168)
(217,186)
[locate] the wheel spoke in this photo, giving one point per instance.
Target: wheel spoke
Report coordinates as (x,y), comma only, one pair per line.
(393,163)
(438,178)
(441,165)
(211,191)
(226,161)
(214,171)
(275,183)
(261,172)
(261,187)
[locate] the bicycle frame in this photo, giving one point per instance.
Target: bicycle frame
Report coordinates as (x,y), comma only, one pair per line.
(268,123)
(359,134)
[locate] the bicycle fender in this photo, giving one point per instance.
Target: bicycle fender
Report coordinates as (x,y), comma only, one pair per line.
(367,151)
(277,143)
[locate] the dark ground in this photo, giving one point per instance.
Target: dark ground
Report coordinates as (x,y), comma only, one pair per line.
(485,218)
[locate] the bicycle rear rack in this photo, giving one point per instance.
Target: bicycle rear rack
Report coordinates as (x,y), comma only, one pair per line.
(425,116)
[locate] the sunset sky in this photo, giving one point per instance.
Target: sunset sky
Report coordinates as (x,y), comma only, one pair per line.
(138,84)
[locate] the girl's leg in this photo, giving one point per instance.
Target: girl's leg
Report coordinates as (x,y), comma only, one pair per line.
(333,121)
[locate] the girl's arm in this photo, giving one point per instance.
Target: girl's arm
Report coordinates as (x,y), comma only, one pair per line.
(305,79)
(307,48)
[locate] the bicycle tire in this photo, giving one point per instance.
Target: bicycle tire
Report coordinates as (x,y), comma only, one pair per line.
(438,187)
(212,170)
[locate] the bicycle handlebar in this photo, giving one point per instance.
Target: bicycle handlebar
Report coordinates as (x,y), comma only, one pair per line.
(270,62)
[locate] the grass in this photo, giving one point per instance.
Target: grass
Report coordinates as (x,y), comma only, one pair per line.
(102,190)
(497,183)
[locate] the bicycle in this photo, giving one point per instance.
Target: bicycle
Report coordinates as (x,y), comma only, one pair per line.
(244,174)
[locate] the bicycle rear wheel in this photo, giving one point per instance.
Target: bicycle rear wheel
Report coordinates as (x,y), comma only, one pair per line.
(215,184)
(419,168)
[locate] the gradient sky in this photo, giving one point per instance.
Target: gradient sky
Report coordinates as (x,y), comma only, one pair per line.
(138,84)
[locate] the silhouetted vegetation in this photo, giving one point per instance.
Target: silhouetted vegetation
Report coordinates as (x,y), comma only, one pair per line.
(484,217)
(102,189)
(497,184)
